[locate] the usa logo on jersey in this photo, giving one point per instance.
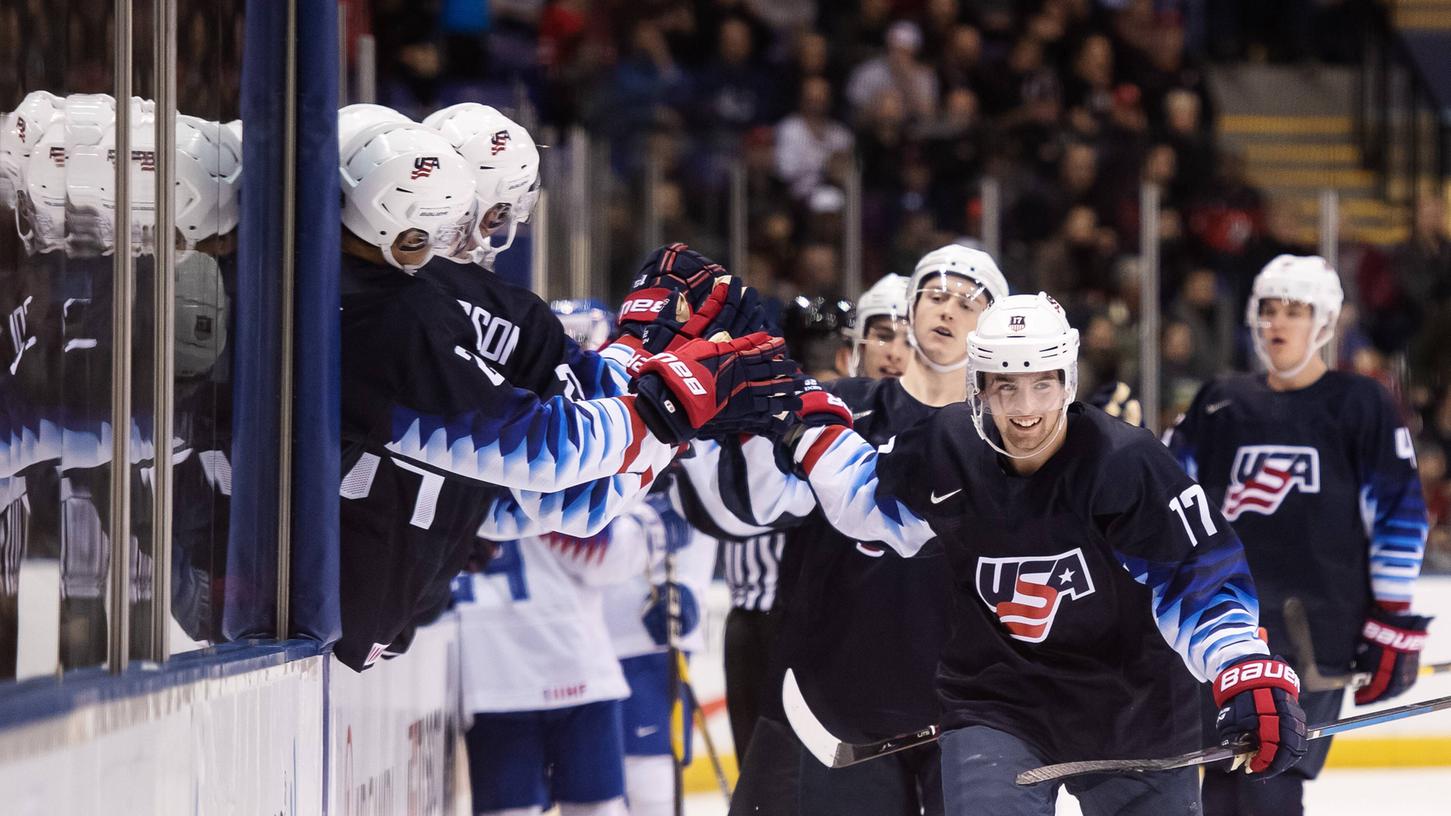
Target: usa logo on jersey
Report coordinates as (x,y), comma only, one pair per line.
(1263,475)
(1025,593)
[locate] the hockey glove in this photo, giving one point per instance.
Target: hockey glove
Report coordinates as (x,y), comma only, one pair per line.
(1390,650)
(674,269)
(1117,400)
(680,391)
(818,409)
(657,613)
(1258,699)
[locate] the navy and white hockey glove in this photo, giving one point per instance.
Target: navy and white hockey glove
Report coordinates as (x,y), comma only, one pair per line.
(1117,400)
(679,392)
(1258,699)
(1390,650)
(657,612)
(819,408)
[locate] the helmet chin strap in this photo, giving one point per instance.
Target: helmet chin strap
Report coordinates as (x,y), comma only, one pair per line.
(977,413)
(485,252)
(935,366)
(1290,373)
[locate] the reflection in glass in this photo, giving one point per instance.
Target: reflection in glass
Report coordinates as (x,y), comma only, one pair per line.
(58,243)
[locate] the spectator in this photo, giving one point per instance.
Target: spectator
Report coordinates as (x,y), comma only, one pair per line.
(807,139)
(818,271)
(953,147)
(810,57)
(1076,263)
(1211,321)
(940,19)
(1041,210)
(857,34)
(1193,148)
(1090,86)
(1423,272)
(1178,381)
(1004,80)
(898,69)
(960,63)
(734,91)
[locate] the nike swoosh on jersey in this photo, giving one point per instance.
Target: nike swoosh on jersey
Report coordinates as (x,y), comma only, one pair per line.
(646,730)
(936,499)
(861,415)
(1215,406)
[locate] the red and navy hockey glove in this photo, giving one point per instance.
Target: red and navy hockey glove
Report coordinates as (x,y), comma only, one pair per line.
(674,269)
(680,391)
(1390,650)
(1258,699)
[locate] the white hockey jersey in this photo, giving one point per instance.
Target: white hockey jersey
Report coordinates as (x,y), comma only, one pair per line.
(659,522)
(533,626)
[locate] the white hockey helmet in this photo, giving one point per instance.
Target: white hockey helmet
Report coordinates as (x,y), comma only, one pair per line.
(402,176)
(1307,279)
(962,261)
(1021,334)
(91,177)
(352,119)
(20,131)
(201,313)
(505,161)
(886,298)
(40,205)
(208,174)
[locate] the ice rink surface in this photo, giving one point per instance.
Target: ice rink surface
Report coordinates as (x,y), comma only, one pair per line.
(1338,792)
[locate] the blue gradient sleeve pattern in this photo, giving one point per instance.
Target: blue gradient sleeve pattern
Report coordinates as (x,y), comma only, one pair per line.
(532,445)
(1205,606)
(1168,535)
(581,511)
(1395,509)
(1392,503)
(598,374)
(842,469)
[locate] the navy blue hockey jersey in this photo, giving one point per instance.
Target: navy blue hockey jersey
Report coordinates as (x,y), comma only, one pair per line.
(1074,586)
(1321,486)
(432,434)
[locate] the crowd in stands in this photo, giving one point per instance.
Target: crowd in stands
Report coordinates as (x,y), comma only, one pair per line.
(1068,104)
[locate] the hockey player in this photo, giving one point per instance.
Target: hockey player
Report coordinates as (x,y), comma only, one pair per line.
(848,611)
(1089,570)
(879,329)
(429,424)
(540,678)
(1315,471)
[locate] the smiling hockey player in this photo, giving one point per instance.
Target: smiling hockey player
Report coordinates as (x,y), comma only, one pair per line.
(1315,470)
(1083,561)
(853,620)
(432,433)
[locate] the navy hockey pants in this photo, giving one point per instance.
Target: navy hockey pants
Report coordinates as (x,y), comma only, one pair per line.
(979,765)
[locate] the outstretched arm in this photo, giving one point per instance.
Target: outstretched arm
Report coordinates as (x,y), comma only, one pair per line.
(842,469)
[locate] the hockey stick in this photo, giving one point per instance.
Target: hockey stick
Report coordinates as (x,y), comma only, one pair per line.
(675,682)
(1297,627)
(1063,770)
(830,751)
(700,723)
